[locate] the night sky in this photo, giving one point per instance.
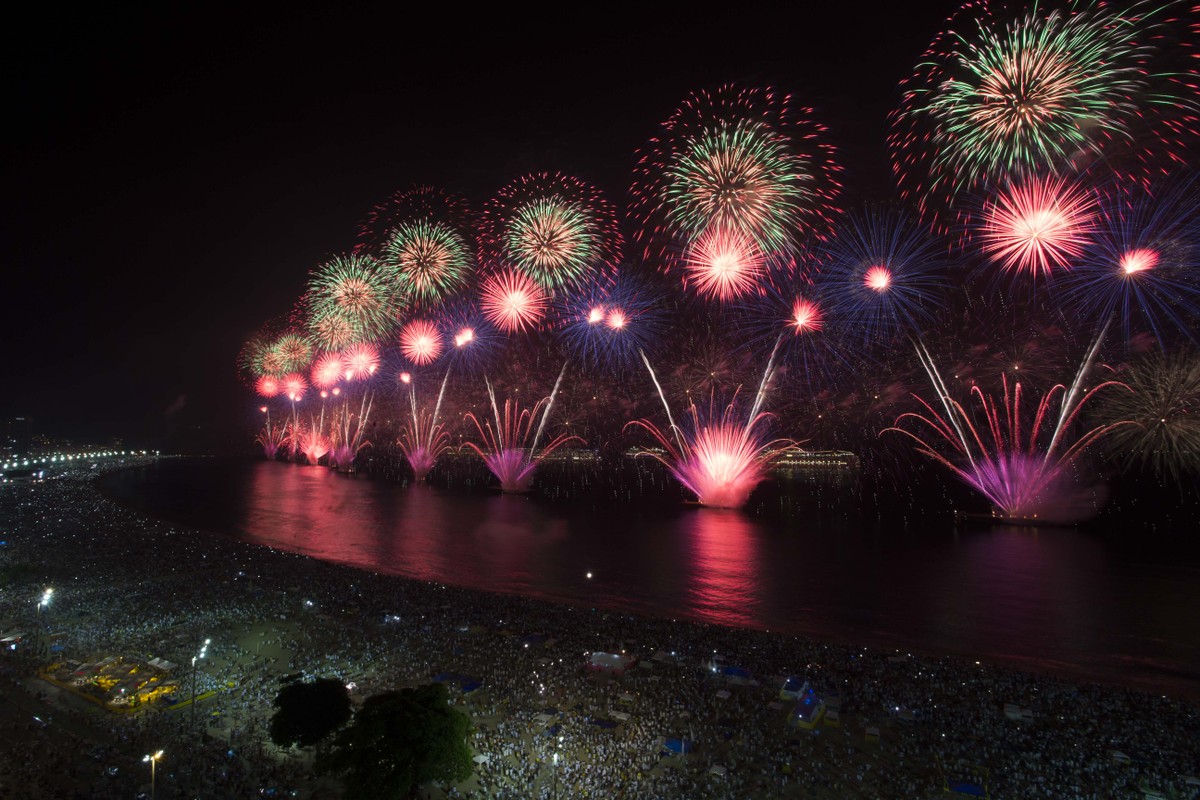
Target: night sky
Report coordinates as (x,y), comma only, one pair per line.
(170,175)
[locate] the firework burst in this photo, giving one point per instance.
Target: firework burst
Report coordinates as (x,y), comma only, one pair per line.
(268,386)
(327,370)
(291,352)
(609,322)
(420,342)
(360,361)
(430,259)
(1038,225)
(351,299)
(555,229)
(295,386)
(883,274)
(1143,264)
(747,161)
(1041,92)
(724,264)
(1164,405)
(512,302)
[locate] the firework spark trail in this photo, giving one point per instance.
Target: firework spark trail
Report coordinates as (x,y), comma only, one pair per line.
(663,397)
(1008,466)
(507,456)
(549,406)
(768,374)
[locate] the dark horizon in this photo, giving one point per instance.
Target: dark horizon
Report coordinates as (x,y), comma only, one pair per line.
(174,174)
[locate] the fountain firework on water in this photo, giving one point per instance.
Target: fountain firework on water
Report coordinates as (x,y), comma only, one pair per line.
(723,457)
(272,438)
(1019,469)
(424,439)
(312,443)
(507,449)
(347,434)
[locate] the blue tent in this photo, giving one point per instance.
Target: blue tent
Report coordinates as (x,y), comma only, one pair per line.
(680,745)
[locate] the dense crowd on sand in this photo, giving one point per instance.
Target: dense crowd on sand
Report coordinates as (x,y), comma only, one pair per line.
(544,725)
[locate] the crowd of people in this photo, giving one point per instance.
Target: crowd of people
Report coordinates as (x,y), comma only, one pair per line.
(545,725)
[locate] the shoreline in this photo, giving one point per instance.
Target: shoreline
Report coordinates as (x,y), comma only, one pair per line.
(1186,688)
(349,631)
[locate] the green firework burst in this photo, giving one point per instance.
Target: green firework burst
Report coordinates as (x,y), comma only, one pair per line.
(430,259)
(352,299)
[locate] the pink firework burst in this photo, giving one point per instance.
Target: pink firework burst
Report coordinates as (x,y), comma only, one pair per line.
(724,263)
(721,459)
(878,278)
(512,301)
(327,370)
(806,317)
(1139,260)
(294,386)
(1039,225)
(360,361)
(420,342)
(268,386)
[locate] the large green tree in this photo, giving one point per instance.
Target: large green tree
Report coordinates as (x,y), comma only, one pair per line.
(398,742)
(308,712)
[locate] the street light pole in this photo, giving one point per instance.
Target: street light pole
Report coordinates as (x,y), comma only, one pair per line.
(195,659)
(154,759)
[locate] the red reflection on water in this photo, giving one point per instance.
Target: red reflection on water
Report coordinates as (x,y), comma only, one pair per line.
(724,559)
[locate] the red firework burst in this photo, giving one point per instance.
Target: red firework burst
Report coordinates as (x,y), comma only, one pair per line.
(294,386)
(327,370)
(1038,225)
(360,361)
(267,386)
(512,302)
(724,264)
(420,342)
(806,317)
